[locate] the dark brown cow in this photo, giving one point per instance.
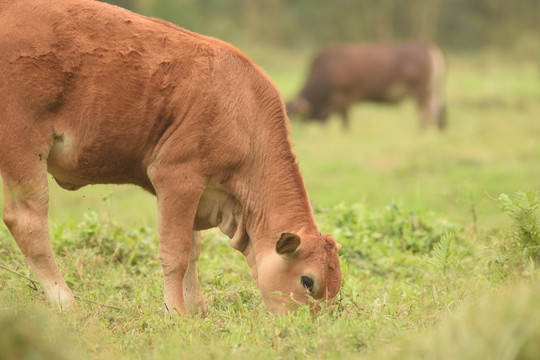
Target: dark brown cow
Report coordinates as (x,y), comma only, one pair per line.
(343,75)
(92,93)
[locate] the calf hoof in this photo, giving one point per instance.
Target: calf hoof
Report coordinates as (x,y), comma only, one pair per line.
(197,307)
(64,301)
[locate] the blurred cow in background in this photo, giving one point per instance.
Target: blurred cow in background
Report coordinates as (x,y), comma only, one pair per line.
(386,73)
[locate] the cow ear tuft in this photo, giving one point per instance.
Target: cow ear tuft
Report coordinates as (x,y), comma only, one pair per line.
(287,244)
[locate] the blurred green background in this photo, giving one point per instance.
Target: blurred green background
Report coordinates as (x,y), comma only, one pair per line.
(492,89)
(453,24)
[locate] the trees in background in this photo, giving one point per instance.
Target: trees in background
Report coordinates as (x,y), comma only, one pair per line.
(458,24)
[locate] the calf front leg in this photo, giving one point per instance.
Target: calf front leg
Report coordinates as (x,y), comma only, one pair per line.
(178,196)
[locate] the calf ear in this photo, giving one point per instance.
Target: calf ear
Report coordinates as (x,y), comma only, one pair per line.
(287,244)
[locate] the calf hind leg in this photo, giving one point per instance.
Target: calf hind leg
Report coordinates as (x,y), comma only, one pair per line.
(25,214)
(192,293)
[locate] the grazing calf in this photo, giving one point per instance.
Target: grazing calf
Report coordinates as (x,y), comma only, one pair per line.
(92,93)
(343,75)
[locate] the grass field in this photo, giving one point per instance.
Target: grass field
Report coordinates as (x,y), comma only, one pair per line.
(433,268)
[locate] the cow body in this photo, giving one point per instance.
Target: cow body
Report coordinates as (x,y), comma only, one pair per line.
(92,93)
(386,73)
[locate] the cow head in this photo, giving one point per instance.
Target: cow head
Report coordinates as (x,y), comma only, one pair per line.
(298,107)
(305,109)
(298,270)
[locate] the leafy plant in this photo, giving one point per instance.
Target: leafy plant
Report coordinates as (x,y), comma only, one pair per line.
(526,228)
(518,253)
(444,255)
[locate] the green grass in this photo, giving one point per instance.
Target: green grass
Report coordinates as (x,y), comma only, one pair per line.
(405,273)
(433,268)
(497,325)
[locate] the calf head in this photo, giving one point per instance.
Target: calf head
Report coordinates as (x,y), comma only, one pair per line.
(298,270)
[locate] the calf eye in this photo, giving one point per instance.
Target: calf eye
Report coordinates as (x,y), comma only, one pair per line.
(307,282)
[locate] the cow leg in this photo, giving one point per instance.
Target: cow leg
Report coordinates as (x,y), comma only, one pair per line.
(423,104)
(341,102)
(192,293)
(436,109)
(344,111)
(441,117)
(26,201)
(178,195)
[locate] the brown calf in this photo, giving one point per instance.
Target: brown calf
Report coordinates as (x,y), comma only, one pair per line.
(343,75)
(92,93)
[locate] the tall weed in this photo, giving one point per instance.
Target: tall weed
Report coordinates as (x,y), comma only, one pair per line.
(518,253)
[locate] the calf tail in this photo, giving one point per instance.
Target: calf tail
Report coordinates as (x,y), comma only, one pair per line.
(437,106)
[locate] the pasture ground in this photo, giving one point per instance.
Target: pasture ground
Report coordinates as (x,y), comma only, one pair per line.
(433,268)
